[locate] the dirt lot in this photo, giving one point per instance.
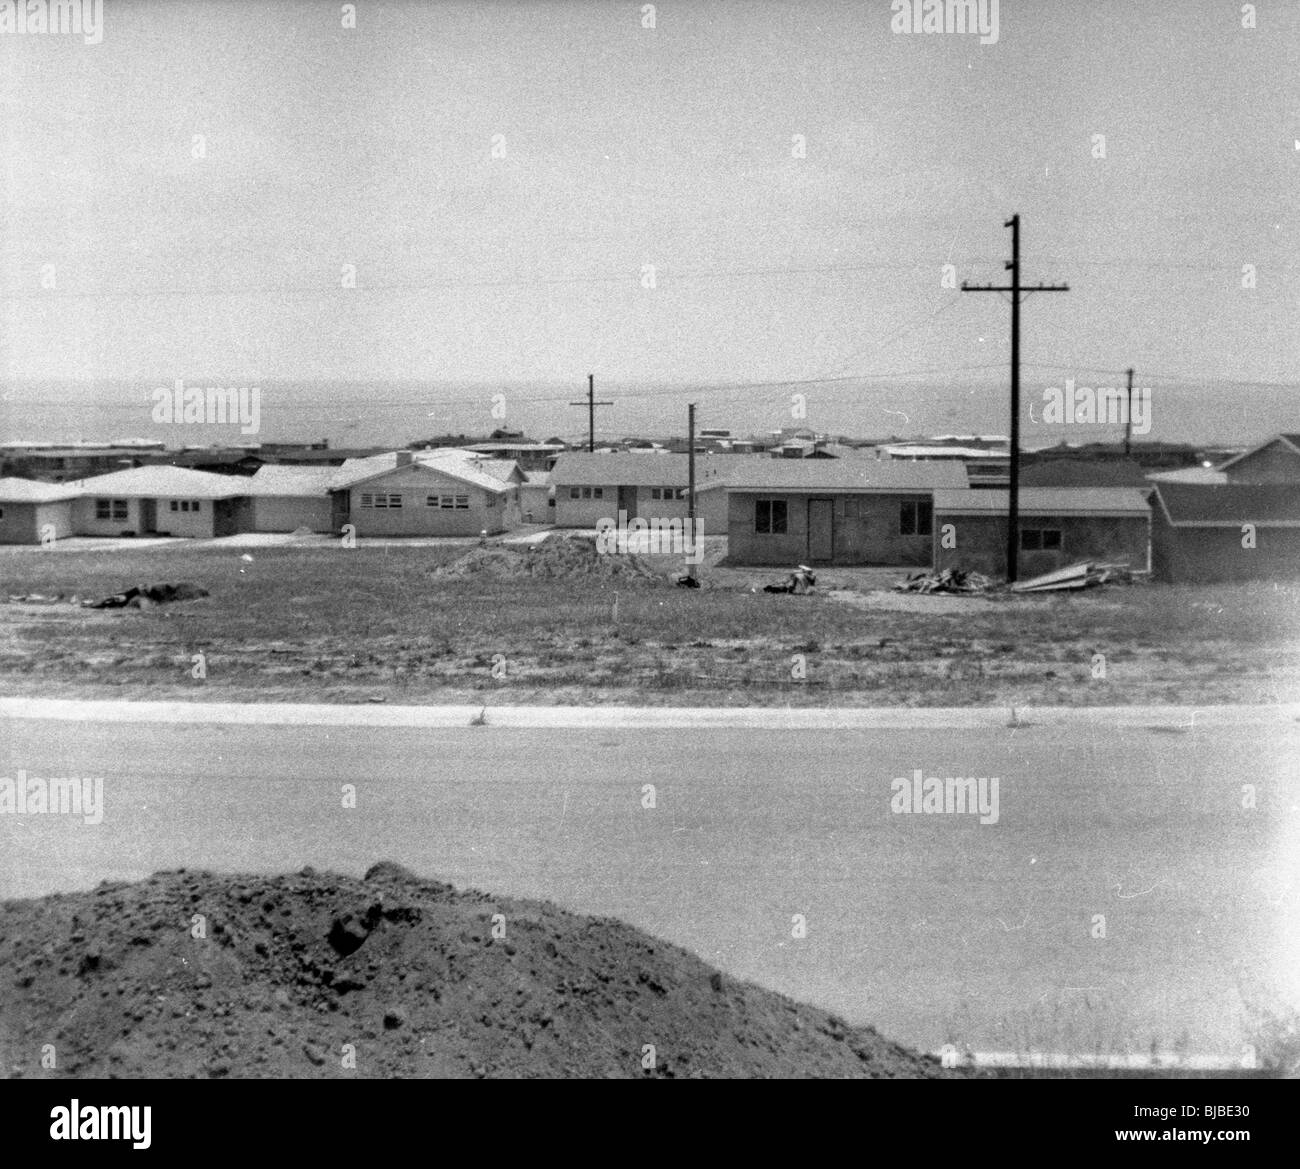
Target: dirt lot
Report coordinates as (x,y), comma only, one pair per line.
(414,978)
(556,623)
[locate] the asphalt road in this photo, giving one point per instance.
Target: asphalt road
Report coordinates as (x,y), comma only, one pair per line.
(933,927)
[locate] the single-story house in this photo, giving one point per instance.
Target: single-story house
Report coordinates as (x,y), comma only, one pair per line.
(1059,526)
(34,513)
(1056,472)
(1219,532)
(441,492)
(1276,460)
(162,501)
(593,487)
(830,511)
(286,498)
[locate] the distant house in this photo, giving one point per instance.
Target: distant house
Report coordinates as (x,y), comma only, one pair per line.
(831,511)
(439,492)
(33,512)
(1276,460)
(531,456)
(592,487)
(162,500)
(1219,532)
(1059,526)
(286,498)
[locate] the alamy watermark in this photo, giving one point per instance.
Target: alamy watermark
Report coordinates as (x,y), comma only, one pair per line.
(212,405)
(950,795)
(33,796)
(946,16)
(1104,406)
(650,537)
(83,18)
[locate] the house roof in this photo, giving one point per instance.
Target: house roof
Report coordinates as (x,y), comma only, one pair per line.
(1046,501)
(163,481)
(1290,440)
(33,491)
(1202,475)
(1083,473)
(580,469)
(278,479)
(537,478)
(495,475)
(739,473)
(1229,505)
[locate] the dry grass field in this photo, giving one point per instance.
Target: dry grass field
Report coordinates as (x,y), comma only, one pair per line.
(503,625)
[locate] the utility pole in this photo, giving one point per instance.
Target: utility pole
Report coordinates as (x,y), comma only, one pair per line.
(1128,423)
(1016,289)
(690,480)
(591,405)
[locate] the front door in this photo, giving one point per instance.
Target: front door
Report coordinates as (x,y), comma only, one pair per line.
(821,531)
(148,515)
(340,509)
(627,501)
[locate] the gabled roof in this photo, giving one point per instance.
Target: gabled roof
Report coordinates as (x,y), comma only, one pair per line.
(163,481)
(1292,441)
(1085,501)
(34,491)
(1229,505)
(277,479)
(495,475)
(742,473)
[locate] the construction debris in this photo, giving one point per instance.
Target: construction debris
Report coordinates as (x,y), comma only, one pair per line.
(950,580)
(800,582)
(1077,576)
(144,595)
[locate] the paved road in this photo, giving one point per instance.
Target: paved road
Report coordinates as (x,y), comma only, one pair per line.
(934,927)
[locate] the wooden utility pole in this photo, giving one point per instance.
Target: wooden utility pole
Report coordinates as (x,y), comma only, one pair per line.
(1128,424)
(690,488)
(591,405)
(1016,289)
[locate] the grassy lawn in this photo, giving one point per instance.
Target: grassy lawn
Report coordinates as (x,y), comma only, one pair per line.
(335,625)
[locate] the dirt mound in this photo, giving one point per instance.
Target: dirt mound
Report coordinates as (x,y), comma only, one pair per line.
(198,974)
(556,556)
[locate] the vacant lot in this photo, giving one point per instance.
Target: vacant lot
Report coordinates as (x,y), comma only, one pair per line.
(557,624)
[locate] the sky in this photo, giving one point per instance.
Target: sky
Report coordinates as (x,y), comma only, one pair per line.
(186,200)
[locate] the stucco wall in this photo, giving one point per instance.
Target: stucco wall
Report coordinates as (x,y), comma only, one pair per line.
(192,524)
(415,518)
(21,523)
(84,522)
(287,513)
(865,529)
(982,543)
(1204,555)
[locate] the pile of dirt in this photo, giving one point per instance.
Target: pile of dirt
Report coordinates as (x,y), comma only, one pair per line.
(198,974)
(557,556)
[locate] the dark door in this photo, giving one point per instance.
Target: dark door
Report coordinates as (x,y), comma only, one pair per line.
(340,509)
(627,501)
(148,515)
(821,531)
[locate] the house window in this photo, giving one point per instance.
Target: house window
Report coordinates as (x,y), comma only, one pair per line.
(769,517)
(183,505)
(667,492)
(575,492)
(380,500)
(110,509)
(448,502)
(1040,539)
(915,518)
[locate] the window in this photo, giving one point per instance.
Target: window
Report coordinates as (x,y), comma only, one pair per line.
(110,509)
(380,500)
(769,517)
(1040,539)
(184,505)
(448,502)
(915,518)
(667,492)
(575,492)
